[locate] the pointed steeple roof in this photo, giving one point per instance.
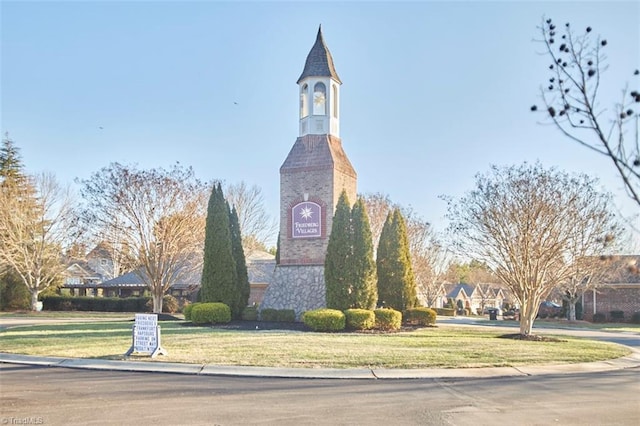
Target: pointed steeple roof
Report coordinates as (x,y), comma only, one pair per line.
(319,61)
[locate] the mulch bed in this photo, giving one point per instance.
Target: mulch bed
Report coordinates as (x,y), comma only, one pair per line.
(294,326)
(531,338)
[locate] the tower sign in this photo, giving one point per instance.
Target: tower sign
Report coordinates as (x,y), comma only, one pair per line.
(312,177)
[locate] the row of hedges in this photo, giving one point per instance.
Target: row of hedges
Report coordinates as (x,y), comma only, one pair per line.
(281,315)
(362,319)
(445,312)
(615,316)
(107,304)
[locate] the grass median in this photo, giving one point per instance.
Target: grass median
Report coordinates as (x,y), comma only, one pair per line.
(433,347)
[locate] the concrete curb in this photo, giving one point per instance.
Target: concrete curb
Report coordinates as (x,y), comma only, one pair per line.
(630,361)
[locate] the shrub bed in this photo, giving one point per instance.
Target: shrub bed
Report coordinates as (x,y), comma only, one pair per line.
(420,316)
(360,319)
(599,317)
(617,316)
(250,313)
(635,318)
(210,313)
(324,320)
(445,312)
(99,304)
(187,310)
(282,315)
(388,319)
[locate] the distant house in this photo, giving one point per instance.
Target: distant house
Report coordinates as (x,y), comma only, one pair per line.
(618,290)
(474,297)
(83,275)
(132,284)
(100,260)
(260,267)
(80,279)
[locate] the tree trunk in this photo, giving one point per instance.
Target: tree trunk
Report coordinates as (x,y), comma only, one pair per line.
(572,310)
(526,324)
(34,299)
(157,301)
(528,312)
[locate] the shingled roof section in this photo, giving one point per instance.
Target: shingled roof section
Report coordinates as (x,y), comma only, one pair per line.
(317,152)
(319,61)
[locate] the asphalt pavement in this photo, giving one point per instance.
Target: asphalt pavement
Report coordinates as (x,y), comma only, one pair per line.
(631,340)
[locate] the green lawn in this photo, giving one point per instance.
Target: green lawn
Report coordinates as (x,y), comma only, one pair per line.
(434,347)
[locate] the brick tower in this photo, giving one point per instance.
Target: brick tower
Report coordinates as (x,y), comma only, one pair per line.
(312,177)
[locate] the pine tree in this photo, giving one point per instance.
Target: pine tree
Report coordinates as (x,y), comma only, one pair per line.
(396,284)
(242,283)
(365,292)
(337,265)
(219,273)
(11,167)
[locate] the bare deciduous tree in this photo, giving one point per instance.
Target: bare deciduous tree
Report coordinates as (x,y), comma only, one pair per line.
(378,207)
(590,248)
(520,221)
(570,96)
(36,225)
(256,226)
(152,219)
(429,257)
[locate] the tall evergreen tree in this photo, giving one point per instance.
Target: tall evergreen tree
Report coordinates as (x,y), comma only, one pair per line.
(13,293)
(396,284)
(219,273)
(337,264)
(409,290)
(11,167)
(242,284)
(365,293)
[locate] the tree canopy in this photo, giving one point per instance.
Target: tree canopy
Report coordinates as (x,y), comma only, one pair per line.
(521,221)
(573,102)
(152,219)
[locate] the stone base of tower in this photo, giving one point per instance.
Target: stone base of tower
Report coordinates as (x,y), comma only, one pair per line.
(297,287)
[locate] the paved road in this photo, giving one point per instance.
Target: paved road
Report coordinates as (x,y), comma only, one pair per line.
(34,394)
(60,396)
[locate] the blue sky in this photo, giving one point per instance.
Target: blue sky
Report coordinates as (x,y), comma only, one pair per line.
(433,92)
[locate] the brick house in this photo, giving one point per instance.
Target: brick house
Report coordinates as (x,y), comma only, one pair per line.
(619,290)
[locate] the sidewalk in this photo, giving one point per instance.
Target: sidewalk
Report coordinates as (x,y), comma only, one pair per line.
(630,340)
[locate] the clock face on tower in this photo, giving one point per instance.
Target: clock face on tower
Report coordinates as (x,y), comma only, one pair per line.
(318,103)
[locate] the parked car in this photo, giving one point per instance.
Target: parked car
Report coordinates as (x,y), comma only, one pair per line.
(511,314)
(491,308)
(549,310)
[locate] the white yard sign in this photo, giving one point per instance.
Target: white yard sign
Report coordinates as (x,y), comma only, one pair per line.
(146,336)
